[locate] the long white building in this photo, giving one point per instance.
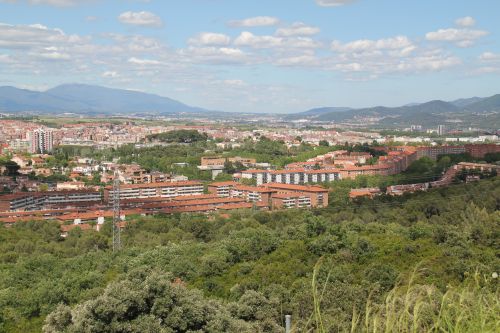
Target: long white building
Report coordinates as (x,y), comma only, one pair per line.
(295,176)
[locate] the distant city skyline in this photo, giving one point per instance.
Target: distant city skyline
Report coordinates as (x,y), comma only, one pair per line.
(257,56)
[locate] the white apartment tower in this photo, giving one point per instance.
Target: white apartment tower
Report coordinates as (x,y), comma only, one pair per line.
(41,140)
(441,130)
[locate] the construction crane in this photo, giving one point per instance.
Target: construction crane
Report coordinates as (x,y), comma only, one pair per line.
(116,212)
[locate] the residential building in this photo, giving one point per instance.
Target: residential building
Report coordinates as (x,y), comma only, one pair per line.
(41,140)
(295,176)
(291,200)
(318,195)
(222,189)
(364,192)
(434,152)
(478,151)
(165,190)
(441,130)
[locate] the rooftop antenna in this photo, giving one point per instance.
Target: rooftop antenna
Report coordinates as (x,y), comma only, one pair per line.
(116,212)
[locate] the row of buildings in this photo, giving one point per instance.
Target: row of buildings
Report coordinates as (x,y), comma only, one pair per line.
(349,165)
(171,197)
(445,180)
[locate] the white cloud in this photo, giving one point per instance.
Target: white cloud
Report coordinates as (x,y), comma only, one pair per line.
(234,82)
(297,29)
(145,19)
(428,62)
(91,18)
(333,3)
(210,39)
(54,55)
(110,74)
(258,21)
(300,60)
(301,43)
(489,56)
(465,21)
(367,59)
(249,39)
(6,59)
(143,62)
(487,70)
(460,37)
(214,55)
(27,36)
(367,45)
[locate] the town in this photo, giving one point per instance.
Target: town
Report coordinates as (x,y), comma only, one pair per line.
(222,166)
(42,180)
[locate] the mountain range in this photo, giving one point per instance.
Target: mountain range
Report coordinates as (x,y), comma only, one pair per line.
(429,113)
(88,99)
(96,100)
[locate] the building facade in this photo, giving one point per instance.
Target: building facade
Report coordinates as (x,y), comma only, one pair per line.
(41,141)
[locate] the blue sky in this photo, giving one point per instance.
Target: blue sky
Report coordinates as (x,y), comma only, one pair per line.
(257,55)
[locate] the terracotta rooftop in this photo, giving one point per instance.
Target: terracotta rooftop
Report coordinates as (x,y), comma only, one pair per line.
(247,188)
(290,195)
(303,188)
(155,185)
(84,227)
(227,183)
(195,197)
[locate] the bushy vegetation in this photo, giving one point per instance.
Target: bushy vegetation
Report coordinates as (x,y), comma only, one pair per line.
(188,147)
(178,136)
(195,273)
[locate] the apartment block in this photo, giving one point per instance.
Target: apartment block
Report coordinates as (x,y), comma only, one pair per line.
(478,151)
(222,189)
(252,193)
(434,152)
(165,190)
(43,200)
(295,176)
(41,140)
(291,200)
(318,195)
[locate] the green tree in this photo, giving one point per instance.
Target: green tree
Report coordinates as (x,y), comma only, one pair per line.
(324,143)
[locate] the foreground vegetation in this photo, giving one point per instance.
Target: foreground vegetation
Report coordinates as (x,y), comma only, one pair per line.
(244,273)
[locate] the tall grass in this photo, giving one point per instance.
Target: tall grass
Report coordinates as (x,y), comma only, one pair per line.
(473,306)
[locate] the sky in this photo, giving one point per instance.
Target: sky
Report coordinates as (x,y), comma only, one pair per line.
(277,56)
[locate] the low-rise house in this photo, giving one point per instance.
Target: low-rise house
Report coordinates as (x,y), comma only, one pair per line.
(364,192)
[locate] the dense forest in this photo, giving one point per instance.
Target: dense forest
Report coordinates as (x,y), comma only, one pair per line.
(418,263)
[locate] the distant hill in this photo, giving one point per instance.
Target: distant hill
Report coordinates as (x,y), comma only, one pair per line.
(463,102)
(403,112)
(489,104)
(316,112)
(81,98)
(430,113)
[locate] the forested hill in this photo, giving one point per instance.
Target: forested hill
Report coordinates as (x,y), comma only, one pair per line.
(193,273)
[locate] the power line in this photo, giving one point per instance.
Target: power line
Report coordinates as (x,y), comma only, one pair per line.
(116,212)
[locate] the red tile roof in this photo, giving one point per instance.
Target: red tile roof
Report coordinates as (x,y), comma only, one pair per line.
(247,188)
(84,227)
(156,185)
(303,188)
(290,195)
(227,183)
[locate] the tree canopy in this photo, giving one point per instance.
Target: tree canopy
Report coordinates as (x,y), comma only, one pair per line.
(246,271)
